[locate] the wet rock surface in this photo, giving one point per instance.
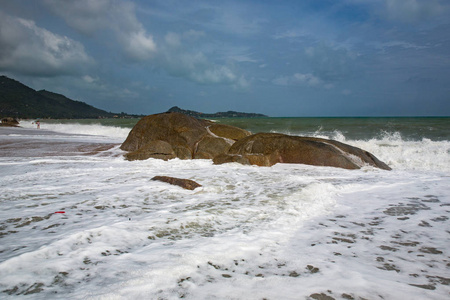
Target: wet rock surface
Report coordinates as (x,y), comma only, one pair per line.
(267,149)
(184,183)
(9,122)
(175,135)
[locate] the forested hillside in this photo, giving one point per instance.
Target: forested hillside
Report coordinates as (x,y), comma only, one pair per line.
(20,101)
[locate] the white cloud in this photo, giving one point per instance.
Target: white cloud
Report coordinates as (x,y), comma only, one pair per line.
(138,45)
(193,35)
(414,10)
(90,17)
(298,79)
(240,58)
(189,37)
(29,49)
(237,18)
(85,16)
(181,56)
(397,44)
(309,51)
(347,92)
(404,10)
(213,74)
(196,67)
(292,34)
(309,79)
(89,79)
(241,83)
(172,39)
(331,62)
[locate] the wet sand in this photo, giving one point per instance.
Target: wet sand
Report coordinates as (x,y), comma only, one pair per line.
(16,142)
(391,243)
(396,239)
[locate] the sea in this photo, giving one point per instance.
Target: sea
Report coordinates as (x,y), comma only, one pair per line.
(78,221)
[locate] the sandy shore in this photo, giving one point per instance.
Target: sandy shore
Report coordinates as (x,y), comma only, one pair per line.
(397,240)
(377,243)
(23,142)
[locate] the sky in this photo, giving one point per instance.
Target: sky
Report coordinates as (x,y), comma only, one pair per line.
(291,58)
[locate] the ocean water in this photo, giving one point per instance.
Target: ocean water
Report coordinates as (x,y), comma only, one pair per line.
(77,221)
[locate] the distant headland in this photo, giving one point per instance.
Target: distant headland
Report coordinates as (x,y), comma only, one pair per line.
(227,114)
(19,101)
(22,102)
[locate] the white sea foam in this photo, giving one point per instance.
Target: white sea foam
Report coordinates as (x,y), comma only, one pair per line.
(111,132)
(406,155)
(389,147)
(284,232)
(397,152)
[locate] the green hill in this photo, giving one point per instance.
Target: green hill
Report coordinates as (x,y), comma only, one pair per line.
(20,101)
(227,114)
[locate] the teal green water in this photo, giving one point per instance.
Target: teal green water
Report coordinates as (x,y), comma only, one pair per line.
(418,128)
(351,128)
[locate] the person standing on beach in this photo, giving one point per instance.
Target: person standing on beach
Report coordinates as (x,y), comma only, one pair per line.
(38,124)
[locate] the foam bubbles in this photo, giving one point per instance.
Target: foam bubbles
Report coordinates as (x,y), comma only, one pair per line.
(409,155)
(288,231)
(117,134)
(399,153)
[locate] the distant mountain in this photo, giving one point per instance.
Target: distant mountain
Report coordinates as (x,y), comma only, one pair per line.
(228,114)
(20,101)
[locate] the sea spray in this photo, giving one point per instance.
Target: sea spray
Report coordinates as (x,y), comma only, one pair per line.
(114,133)
(288,231)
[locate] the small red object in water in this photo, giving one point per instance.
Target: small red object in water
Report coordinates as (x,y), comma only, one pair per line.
(60,212)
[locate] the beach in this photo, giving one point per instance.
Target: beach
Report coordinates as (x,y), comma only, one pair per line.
(78,221)
(16,142)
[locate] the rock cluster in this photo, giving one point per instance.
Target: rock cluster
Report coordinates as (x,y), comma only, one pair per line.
(170,135)
(267,149)
(9,121)
(175,135)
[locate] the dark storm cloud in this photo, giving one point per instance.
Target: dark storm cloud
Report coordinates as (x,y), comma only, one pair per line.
(312,57)
(26,48)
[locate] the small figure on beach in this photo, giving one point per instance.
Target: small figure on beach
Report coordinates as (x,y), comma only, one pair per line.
(38,124)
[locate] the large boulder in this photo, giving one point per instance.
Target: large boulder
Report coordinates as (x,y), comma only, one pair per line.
(267,149)
(9,122)
(209,147)
(170,135)
(176,135)
(228,131)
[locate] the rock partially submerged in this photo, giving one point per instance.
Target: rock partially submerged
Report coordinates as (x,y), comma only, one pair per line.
(9,122)
(175,135)
(170,135)
(267,149)
(184,183)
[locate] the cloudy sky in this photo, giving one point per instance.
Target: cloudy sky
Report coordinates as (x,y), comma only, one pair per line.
(280,58)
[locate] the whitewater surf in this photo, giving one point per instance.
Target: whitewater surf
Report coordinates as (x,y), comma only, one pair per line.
(91,225)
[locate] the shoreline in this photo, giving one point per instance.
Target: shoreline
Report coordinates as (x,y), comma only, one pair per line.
(25,142)
(299,231)
(8,125)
